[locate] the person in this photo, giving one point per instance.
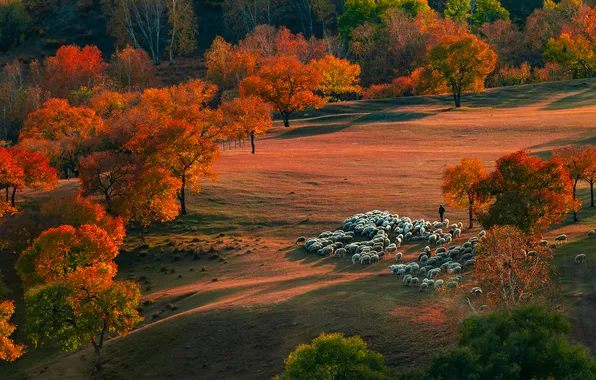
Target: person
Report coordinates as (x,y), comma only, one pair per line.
(441,212)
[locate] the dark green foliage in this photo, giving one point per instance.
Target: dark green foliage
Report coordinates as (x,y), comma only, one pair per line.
(14,22)
(335,357)
(527,343)
(519,10)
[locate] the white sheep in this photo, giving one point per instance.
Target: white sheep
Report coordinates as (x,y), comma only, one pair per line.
(482,233)
(477,291)
(561,238)
(398,256)
(355,258)
(340,252)
(301,240)
(580,259)
(438,284)
(456,232)
(591,233)
(543,243)
(374,259)
(423,287)
(365,259)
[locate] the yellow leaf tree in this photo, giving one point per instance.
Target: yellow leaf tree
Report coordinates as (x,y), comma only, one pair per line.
(338,76)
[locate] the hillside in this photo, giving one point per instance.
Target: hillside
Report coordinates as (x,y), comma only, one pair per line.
(244,313)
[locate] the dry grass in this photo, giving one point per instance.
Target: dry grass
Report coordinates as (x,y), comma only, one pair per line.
(270,296)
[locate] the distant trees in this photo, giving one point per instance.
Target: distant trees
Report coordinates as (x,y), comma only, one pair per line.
(246,117)
(462,63)
(132,69)
(15,22)
(287,84)
(332,356)
(338,77)
(461,186)
(578,161)
(529,193)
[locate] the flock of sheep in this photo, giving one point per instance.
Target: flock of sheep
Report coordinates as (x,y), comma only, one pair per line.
(376,227)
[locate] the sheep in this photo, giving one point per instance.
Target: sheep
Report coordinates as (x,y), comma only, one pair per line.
(580,259)
(438,284)
(427,249)
(552,246)
(398,241)
(374,259)
(398,256)
(561,239)
(543,243)
(432,273)
(301,240)
(483,307)
(365,259)
(456,232)
(482,233)
(440,250)
(476,291)
(591,233)
(414,281)
(452,284)
(423,287)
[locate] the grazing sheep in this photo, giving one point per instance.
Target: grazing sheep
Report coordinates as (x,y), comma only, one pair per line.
(552,246)
(452,284)
(561,238)
(340,252)
(427,249)
(432,273)
(423,287)
(481,233)
(580,259)
(365,259)
(438,284)
(456,232)
(483,307)
(301,240)
(543,243)
(355,258)
(414,281)
(476,291)
(591,233)
(398,256)
(374,259)
(440,250)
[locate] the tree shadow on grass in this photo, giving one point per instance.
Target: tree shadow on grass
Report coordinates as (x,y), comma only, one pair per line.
(584,98)
(553,144)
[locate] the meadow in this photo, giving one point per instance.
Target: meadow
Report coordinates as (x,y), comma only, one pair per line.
(228,295)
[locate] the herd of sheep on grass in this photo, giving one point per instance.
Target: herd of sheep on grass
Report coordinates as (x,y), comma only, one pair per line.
(375,229)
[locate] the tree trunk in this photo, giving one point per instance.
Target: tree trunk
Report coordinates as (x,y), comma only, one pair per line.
(286,118)
(182,196)
(97,367)
(252,141)
(142,232)
(591,194)
(6,193)
(14,191)
(575,219)
(471,215)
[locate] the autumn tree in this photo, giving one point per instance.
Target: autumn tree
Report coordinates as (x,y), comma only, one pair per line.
(578,162)
(9,350)
(228,64)
(183,27)
(132,69)
(338,76)
(61,132)
(61,251)
(460,186)
(457,9)
(285,83)
(590,176)
(71,68)
(77,210)
(462,63)
(36,172)
(11,173)
(529,193)
(107,174)
(246,117)
(512,269)
(82,308)
(574,52)
(488,11)
(152,197)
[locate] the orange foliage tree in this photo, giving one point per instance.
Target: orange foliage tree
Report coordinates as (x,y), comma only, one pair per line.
(462,63)
(461,186)
(71,68)
(246,117)
(287,84)
(61,132)
(338,76)
(37,172)
(11,173)
(132,69)
(9,350)
(152,197)
(77,210)
(578,161)
(227,65)
(61,251)
(82,308)
(529,193)
(590,176)
(511,269)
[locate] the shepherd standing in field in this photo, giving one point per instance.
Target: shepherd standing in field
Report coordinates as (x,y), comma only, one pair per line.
(441,212)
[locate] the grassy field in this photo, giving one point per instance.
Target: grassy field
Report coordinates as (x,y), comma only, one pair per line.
(227,294)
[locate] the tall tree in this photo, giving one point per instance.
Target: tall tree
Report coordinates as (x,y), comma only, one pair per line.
(285,83)
(246,117)
(529,193)
(227,65)
(590,176)
(462,63)
(132,69)
(578,163)
(183,27)
(461,186)
(488,11)
(37,173)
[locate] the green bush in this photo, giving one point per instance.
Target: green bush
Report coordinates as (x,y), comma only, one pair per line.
(527,343)
(334,357)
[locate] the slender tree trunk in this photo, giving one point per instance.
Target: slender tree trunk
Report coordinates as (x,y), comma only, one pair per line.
(142,232)
(182,196)
(97,367)
(591,194)
(286,118)
(471,215)
(252,141)
(14,191)
(575,219)
(6,193)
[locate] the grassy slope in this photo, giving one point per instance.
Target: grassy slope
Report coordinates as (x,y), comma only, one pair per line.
(269,296)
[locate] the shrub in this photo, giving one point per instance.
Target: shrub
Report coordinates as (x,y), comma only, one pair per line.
(551,72)
(527,343)
(378,91)
(332,356)
(514,76)
(403,86)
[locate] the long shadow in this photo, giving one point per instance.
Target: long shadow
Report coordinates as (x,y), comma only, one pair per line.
(547,154)
(581,99)
(313,130)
